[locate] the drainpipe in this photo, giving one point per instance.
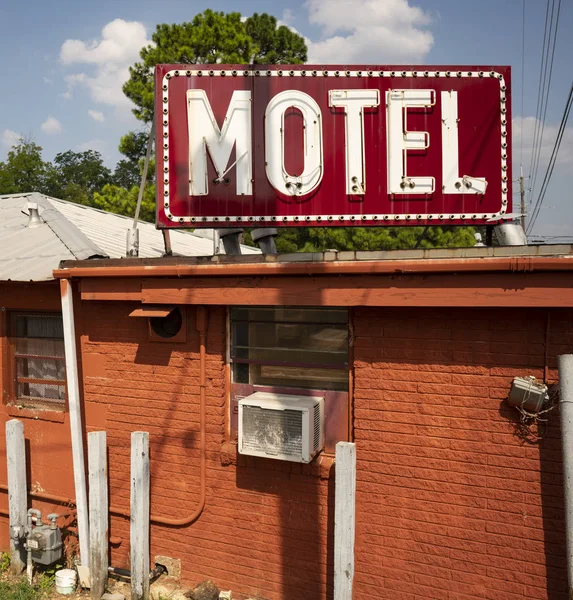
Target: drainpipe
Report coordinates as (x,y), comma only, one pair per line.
(74,407)
(566,410)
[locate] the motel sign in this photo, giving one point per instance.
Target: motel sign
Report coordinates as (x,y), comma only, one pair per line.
(319,146)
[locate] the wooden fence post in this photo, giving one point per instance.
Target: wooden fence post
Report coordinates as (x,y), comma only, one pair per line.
(139,543)
(17,489)
(344,519)
(98,512)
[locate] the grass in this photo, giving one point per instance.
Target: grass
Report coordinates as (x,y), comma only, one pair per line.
(21,590)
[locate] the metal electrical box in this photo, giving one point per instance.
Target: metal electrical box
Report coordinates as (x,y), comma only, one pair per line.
(528,394)
(45,541)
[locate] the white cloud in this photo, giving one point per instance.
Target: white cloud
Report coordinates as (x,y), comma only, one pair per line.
(51,126)
(10,138)
(96,115)
(108,60)
(369,31)
(526,130)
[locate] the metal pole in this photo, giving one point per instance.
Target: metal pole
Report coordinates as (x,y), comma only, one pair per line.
(132,234)
(566,409)
(522,192)
(75,413)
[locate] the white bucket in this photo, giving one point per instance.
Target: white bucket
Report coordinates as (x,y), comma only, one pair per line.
(65,581)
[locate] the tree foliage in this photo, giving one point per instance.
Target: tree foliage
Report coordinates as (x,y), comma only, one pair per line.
(123,201)
(79,175)
(128,171)
(24,170)
(211,38)
(319,239)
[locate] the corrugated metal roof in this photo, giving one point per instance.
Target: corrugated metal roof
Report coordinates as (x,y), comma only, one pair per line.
(109,232)
(75,232)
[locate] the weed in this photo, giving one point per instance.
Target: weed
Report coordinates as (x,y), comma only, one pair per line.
(47,578)
(4,561)
(21,590)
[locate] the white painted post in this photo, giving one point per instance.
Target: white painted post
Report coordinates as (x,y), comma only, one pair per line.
(98,508)
(75,414)
(139,543)
(344,519)
(17,490)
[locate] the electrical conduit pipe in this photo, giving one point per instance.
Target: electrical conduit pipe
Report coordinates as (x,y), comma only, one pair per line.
(201,324)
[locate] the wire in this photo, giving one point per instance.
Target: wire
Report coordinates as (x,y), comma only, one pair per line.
(534,176)
(537,109)
(552,160)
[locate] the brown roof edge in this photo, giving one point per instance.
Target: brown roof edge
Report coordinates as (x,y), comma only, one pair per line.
(511,264)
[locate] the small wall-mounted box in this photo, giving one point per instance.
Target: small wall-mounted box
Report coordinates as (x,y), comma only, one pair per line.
(529,394)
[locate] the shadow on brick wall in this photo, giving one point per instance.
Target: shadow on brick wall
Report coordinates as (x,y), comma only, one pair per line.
(293,518)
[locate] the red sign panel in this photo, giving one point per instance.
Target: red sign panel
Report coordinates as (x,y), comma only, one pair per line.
(355,145)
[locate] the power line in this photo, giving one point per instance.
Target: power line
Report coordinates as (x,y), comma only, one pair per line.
(552,160)
(546,104)
(537,109)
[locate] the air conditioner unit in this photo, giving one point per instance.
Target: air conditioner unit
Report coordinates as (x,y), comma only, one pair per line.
(281,426)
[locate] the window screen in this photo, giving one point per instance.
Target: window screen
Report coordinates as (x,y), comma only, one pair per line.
(38,360)
(294,347)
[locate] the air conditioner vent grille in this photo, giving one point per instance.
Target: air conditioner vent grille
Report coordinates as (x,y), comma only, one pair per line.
(274,431)
(281,426)
(317,427)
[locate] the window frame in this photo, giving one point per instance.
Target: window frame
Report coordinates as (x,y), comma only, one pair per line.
(233,346)
(11,397)
(338,404)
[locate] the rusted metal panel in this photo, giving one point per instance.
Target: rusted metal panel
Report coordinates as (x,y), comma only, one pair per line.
(349,145)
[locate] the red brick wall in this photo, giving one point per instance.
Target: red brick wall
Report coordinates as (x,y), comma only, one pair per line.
(264,529)
(452,503)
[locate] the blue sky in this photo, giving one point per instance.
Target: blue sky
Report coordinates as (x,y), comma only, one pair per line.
(66,60)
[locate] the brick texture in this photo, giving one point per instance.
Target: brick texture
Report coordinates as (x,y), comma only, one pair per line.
(452,502)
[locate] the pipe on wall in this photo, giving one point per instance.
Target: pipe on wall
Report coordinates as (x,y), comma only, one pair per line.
(201,324)
(566,410)
(44,497)
(75,412)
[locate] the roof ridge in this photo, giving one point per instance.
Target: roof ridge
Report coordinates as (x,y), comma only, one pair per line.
(73,238)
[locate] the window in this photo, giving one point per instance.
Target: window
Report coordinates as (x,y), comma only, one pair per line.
(290,347)
(37,361)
